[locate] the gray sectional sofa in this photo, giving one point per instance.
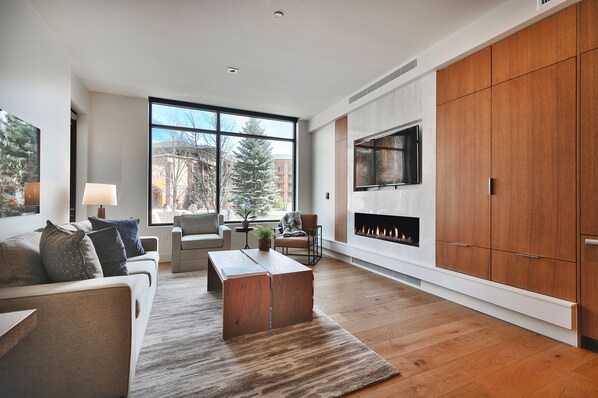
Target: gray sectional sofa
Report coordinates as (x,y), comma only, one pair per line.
(89,332)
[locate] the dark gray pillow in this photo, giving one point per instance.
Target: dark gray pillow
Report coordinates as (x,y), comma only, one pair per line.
(110,250)
(128,230)
(68,256)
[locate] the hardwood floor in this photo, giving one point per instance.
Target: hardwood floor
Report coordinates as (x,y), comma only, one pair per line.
(444,349)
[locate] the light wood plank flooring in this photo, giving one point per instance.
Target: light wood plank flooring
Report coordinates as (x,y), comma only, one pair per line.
(444,349)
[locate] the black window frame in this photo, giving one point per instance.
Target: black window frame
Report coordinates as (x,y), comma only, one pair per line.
(218,133)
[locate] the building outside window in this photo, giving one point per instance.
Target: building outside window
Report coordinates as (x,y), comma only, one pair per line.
(210,159)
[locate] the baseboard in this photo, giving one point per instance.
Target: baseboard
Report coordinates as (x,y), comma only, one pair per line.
(546,315)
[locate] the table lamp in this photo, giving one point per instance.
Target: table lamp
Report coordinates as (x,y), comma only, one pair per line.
(101,195)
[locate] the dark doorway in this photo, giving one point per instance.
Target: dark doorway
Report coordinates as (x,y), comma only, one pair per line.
(73,183)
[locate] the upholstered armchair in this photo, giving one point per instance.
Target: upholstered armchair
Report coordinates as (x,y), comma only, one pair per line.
(309,246)
(193,236)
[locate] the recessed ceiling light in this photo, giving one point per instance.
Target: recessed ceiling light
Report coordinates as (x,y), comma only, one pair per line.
(278,14)
(232,70)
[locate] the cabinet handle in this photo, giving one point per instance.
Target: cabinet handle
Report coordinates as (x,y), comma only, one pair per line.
(459,244)
(527,255)
(592,242)
(490,186)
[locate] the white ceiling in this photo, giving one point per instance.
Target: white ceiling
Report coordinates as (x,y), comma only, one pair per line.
(321,52)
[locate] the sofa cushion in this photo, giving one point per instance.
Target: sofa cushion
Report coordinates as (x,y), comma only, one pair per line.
(110,250)
(192,224)
(153,255)
(128,230)
(20,261)
(202,241)
(68,256)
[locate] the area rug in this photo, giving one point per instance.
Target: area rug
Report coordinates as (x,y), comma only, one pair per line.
(183,354)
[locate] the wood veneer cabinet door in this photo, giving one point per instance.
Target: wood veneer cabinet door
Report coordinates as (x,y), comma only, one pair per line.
(589,143)
(474,261)
(464,77)
(588,32)
(541,275)
(463,170)
(589,283)
(534,163)
(544,43)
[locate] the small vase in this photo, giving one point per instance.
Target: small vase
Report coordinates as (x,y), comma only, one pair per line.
(263,244)
(245,224)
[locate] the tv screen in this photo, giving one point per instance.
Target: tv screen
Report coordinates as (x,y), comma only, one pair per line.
(390,160)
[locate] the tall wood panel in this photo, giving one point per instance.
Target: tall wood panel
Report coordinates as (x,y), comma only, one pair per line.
(589,143)
(467,76)
(589,282)
(544,43)
(534,163)
(340,186)
(588,25)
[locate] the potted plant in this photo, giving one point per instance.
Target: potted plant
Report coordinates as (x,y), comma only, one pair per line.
(244,211)
(264,236)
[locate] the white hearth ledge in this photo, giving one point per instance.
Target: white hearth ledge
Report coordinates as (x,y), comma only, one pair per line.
(546,315)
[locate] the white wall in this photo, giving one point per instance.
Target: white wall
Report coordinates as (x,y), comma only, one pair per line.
(35,85)
(323,179)
(304,159)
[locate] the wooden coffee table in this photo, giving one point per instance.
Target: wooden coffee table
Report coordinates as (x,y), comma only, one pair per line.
(256,303)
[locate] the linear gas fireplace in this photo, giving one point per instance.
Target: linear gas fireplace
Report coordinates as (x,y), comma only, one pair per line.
(398,229)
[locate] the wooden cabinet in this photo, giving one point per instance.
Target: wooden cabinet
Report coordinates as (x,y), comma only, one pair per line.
(589,282)
(588,25)
(589,143)
(340,186)
(534,163)
(544,43)
(541,275)
(467,76)
(463,169)
(474,261)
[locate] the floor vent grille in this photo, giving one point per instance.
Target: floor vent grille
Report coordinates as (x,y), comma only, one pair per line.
(387,79)
(398,275)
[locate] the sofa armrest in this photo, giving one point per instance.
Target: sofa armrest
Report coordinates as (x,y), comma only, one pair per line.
(225,233)
(149,243)
(83,327)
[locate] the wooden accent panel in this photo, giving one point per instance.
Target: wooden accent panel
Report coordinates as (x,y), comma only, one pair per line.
(589,281)
(340,186)
(534,163)
(463,169)
(472,261)
(589,143)
(544,43)
(588,35)
(464,77)
(541,275)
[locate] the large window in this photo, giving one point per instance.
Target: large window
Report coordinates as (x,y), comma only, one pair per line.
(210,159)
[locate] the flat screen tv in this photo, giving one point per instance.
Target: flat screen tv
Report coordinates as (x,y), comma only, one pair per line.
(388,160)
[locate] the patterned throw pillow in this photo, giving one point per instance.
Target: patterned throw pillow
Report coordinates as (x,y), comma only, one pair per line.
(68,256)
(111,251)
(128,230)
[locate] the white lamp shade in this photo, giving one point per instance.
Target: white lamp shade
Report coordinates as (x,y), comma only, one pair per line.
(99,194)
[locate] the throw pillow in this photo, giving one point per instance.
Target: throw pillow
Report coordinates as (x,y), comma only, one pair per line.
(68,256)
(111,251)
(20,262)
(128,230)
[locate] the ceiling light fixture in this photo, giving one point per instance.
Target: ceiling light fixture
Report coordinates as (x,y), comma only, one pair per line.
(233,70)
(278,14)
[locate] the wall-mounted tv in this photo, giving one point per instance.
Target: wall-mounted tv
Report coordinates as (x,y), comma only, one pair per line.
(390,160)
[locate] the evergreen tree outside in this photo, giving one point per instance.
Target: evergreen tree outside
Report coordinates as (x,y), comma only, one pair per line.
(253,177)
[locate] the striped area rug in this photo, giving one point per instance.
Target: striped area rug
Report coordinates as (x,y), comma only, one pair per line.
(183,353)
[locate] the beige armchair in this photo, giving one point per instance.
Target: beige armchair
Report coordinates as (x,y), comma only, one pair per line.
(193,236)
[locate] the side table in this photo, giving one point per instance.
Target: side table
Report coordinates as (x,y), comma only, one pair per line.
(246,231)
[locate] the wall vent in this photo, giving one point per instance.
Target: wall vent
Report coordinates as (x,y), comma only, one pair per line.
(542,4)
(401,71)
(397,275)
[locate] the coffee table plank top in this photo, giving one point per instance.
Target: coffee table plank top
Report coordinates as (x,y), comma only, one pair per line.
(229,258)
(275,263)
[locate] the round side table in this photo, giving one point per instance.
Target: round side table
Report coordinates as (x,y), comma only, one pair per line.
(246,231)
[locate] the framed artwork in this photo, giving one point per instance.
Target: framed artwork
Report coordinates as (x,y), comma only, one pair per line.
(19,167)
